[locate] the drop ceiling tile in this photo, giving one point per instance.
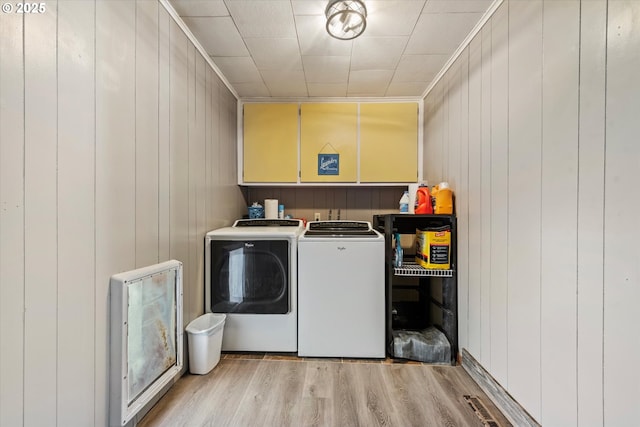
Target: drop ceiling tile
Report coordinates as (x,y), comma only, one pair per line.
(314,39)
(285,83)
(263,18)
(309,7)
(282,76)
(366,90)
(371,76)
(217,35)
(369,82)
(392,18)
(327,89)
(406,88)
(377,53)
(287,89)
(441,33)
(251,89)
(419,68)
(457,6)
(275,53)
(200,7)
(326,69)
(238,69)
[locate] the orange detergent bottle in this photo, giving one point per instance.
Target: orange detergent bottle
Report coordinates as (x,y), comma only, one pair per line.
(423,201)
(443,197)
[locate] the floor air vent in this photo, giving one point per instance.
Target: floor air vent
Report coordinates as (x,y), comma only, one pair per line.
(481,411)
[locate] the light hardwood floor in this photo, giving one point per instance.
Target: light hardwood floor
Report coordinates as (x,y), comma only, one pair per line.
(288,391)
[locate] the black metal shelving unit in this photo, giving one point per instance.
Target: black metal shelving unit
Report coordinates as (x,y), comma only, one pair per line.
(436,303)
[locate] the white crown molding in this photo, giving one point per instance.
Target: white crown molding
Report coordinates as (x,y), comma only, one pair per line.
(487,15)
(197,44)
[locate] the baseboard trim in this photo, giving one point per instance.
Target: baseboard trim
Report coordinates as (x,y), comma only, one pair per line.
(511,409)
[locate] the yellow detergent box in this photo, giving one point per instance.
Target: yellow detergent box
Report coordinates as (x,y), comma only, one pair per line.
(433,247)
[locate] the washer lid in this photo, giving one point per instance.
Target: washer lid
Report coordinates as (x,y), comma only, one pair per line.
(340,229)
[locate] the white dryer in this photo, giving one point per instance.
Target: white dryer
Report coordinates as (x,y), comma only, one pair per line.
(341,290)
(251,275)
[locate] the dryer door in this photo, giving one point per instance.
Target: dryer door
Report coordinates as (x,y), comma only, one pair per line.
(250,276)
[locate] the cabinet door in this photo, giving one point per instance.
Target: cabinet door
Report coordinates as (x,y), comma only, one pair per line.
(389,142)
(328,129)
(270,149)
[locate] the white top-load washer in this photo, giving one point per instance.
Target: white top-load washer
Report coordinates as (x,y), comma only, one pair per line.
(251,275)
(341,290)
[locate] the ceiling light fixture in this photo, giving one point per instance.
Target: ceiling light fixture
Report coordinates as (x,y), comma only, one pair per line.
(346,19)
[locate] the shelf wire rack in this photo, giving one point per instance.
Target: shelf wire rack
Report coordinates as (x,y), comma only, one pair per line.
(416,270)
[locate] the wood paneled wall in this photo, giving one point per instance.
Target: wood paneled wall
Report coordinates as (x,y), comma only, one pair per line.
(117,150)
(535,126)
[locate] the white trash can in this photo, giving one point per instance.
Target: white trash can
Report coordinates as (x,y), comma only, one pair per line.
(205,342)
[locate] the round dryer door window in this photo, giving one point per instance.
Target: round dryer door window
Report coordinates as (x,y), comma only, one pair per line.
(250,276)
